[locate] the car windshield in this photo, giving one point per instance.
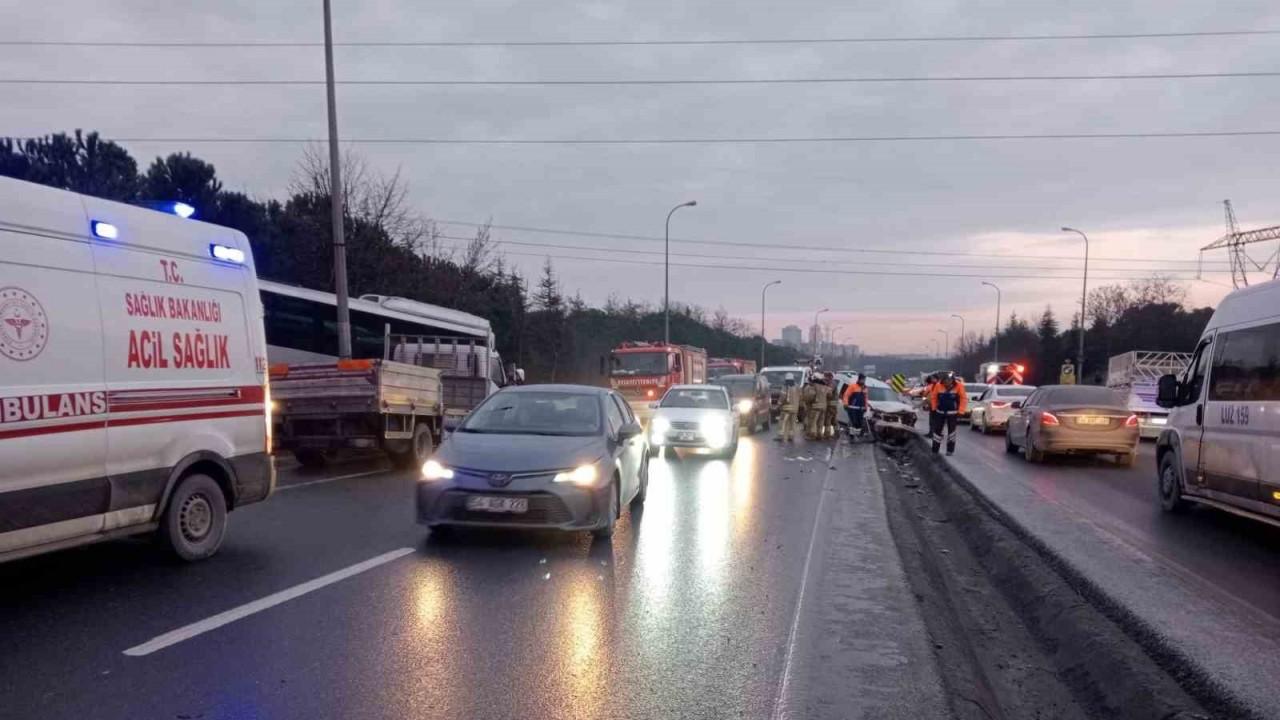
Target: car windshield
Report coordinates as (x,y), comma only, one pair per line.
(739,388)
(639,363)
(711,399)
(1014,391)
(1085,395)
(536,413)
(881,394)
(777,378)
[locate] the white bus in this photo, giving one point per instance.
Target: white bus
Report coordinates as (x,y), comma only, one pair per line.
(301,326)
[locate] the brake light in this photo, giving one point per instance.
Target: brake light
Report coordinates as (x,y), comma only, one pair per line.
(279,369)
(1048,418)
(1131,421)
(1019,368)
(269,406)
(648,393)
(998,405)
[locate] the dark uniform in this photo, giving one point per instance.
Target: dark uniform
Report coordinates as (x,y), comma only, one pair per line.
(947,401)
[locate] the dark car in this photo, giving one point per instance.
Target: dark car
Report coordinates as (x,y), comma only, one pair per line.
(538,456)
(750,397)
(1076,419)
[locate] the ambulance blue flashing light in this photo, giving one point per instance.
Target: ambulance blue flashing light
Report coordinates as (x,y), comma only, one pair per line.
(104,230)
(227,254)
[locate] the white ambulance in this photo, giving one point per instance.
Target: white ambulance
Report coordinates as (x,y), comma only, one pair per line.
(133,393)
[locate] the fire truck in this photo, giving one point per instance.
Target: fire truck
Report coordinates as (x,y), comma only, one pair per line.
(642,371)
(729,366)
(1001,373)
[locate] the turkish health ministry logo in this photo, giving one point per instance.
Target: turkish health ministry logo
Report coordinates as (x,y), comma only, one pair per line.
(24,328)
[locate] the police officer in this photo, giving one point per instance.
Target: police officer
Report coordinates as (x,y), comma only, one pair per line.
(947,400)
(809,406)
(833,407)
(788,407)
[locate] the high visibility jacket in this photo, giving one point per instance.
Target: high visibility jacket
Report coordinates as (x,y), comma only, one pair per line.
(856,395)
(808,395)
(789,398)
(948,402)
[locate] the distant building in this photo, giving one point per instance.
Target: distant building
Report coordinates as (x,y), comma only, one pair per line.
(792,336)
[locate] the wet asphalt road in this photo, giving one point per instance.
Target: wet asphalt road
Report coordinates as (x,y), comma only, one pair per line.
(685,613)
(1226,555)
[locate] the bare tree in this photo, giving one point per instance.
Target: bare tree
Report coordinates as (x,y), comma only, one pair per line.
(479,255)
(369,196)
(720,320)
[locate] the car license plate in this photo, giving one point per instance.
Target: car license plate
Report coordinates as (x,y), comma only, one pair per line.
(488,503)
(687,437)
(1159,421)
(1093,420)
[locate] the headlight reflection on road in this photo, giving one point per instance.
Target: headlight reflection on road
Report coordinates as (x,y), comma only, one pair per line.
(713,519)
(655,537)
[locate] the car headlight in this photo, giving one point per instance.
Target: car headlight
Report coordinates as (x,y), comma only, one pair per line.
(581,475)
(744,406)
(660,425)
(715,432)
(433,470)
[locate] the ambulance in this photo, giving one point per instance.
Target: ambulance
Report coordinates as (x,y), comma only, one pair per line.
(133,375)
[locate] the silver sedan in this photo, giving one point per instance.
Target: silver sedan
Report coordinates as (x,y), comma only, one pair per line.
(568,457)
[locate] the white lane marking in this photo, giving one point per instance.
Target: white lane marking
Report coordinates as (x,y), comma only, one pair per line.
(214,622)
(784,687)
(322,481)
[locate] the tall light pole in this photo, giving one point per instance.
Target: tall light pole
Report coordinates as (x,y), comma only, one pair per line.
(817,334)
(762,336)
(666,275)
(997,350)
(335,196)
(1084,292)
(960,349)
(947,337)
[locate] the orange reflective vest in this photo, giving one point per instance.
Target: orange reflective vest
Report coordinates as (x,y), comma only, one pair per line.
(949,402)
(854,388)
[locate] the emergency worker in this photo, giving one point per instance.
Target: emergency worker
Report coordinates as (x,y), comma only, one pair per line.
(947,400)
(809,406)
(788,408)
(833,407)
(855,401)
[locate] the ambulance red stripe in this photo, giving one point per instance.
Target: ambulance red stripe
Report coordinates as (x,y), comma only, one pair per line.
(124,422)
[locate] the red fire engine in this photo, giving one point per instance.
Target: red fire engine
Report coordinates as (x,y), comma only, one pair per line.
(729,366)
(642,371)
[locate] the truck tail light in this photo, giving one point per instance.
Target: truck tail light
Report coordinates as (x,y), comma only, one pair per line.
(1131,421)
(1048,418)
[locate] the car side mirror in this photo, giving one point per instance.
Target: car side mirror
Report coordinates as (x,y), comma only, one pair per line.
(654,405)
(630,430)
(1016,405)
(1167,391)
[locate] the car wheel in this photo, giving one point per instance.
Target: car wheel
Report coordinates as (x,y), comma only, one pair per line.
(730,451)
(611,521)
(973,425)
(195,520)
(985,429)
(417,452)
(1170,485)
(1030,451)
(441,533)
(642,477)
(1009,447)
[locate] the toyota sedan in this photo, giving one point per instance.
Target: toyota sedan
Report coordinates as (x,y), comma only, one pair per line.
(567,457)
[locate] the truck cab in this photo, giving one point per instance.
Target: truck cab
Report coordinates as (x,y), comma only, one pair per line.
(643,371)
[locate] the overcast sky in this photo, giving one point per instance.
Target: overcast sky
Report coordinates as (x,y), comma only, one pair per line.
(1154,202)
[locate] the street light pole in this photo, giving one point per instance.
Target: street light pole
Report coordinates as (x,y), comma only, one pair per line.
(817,335)
(762,335)
(666,274)
(1084,292)
(960,348)
(335,197)
(998,293)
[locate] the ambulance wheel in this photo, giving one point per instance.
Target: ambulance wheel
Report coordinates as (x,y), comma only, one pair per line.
(195,520)
(416,452)
(310,459)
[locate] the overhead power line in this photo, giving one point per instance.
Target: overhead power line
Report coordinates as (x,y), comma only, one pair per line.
(822,271)
(111,82)
(695,140)
(789,246)
(643,42)
(793,259)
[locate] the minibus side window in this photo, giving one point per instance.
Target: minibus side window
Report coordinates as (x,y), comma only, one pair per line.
(1246,365)
(1196,381)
